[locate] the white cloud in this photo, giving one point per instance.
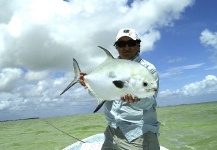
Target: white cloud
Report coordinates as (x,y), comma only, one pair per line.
(211,68)
(193,92)
(4,105)
(43,36)
(189,66)
(209,38)
(9,78)
(175,60)
(179,70)
(38,97)
(206,86)
(33,75)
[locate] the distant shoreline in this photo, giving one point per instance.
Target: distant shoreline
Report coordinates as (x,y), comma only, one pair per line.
(21,119)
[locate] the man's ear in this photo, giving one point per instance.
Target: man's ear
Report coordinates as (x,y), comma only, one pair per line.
(116,47)
(139,44)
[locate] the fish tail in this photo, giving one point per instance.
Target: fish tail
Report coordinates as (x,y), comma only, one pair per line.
(77,71)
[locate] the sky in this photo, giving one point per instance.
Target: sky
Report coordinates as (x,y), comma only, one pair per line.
(40,38)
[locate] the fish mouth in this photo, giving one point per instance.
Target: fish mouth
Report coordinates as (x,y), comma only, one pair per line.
(152,90)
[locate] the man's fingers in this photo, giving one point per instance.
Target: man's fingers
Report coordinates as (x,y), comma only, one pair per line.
(129,98)
(81,80)
(122,98)
(136,99)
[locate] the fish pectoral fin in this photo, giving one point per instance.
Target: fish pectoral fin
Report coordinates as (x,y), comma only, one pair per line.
(120,84)
(99,106)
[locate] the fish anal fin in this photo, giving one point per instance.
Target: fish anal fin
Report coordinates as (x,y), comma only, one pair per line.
(100,100)
(99,106)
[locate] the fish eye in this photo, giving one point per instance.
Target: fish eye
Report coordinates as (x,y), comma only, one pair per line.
(145,84)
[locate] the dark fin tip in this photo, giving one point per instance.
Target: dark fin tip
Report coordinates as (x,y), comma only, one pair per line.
(118,84)
(99,106)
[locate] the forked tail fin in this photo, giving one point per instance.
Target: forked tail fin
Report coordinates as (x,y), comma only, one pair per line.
(77,71)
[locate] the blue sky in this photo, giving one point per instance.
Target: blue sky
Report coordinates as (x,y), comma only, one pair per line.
(39,39)
(180,45)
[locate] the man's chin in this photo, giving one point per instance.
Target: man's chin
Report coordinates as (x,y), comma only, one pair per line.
(127,56)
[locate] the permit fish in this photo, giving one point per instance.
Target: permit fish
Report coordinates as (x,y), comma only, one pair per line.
(116,77)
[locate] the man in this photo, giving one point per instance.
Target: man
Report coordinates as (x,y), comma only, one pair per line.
(132,122)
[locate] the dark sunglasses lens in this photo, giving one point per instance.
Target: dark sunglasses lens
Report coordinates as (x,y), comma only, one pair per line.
(121,44)
(130,43)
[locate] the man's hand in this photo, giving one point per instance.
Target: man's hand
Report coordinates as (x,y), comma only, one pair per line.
(81,80)
(129,98)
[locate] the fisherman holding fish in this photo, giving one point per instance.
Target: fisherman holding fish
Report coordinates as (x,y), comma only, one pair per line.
(132,121)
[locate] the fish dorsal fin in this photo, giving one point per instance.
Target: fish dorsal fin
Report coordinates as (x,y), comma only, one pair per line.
(108,59)
(109,55)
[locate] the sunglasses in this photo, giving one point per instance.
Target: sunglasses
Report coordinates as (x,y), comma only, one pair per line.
(130,43)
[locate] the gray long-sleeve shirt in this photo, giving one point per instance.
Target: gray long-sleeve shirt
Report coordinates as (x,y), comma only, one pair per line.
(134,119)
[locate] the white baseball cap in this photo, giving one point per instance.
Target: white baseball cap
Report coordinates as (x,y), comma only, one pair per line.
(127,32)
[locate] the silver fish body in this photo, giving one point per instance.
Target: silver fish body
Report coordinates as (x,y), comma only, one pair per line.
(116,77)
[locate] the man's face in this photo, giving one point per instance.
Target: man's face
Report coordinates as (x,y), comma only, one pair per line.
(127,52)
